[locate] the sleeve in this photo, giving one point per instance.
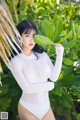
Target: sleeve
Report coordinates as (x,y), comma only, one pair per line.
(55,69)
(22,81)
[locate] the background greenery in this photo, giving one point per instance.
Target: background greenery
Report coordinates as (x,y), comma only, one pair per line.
(60,23)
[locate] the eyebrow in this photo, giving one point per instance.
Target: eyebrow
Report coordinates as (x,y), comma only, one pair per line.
(29,33)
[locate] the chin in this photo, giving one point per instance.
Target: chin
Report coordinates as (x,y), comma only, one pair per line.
(31,47)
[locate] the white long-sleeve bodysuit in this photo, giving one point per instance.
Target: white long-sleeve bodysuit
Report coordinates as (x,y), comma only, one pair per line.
(32,74)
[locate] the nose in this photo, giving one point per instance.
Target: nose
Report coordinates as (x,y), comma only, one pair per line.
(31,39)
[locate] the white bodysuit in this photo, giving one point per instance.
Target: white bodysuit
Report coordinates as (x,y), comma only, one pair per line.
(32,76)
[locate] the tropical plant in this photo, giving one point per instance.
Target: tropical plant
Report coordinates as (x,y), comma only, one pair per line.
(10,94)
(8,34)
(65,97)
(8,37)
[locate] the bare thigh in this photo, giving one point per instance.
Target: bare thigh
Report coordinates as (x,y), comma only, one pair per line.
(49,115)
(24,114)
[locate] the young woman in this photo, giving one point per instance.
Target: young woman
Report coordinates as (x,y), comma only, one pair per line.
(32,68)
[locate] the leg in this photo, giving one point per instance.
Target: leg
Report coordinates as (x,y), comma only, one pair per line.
(49,115)
(24,114)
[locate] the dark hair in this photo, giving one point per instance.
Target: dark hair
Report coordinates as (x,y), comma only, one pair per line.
(26,26)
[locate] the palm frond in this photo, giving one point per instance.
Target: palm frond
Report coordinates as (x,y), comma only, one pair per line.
(9,35)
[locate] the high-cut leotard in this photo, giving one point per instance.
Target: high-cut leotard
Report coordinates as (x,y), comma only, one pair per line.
(32,76)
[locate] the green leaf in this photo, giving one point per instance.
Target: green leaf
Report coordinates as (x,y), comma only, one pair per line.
(66,37)
(42,40)
(78,117)
(15,2)
(4,89)
(57,90)
(76,90)
(67,99)
(70,44)
(68,80)
(4,102)
(72,27)
(58,30)
(67,61)
(49,32)
(14,91)
(22,13)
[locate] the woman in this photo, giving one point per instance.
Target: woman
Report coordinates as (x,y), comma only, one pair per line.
(32,68)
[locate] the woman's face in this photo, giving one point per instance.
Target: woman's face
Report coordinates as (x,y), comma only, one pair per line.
(28,41)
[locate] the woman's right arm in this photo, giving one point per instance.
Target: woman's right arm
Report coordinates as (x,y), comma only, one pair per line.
(22,81)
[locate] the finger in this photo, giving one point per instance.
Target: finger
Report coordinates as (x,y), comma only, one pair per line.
(58,45)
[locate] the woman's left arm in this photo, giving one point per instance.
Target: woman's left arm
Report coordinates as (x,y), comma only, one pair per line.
(56,69)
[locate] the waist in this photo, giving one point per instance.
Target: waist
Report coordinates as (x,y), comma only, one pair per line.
(37,98)
(24,103)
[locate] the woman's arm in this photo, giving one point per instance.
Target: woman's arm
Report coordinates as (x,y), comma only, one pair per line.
(22,81)
(55,69)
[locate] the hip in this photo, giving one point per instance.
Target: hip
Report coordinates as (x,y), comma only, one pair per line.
(36,111)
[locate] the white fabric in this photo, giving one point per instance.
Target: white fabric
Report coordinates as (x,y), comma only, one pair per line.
(39,110)
(31,74)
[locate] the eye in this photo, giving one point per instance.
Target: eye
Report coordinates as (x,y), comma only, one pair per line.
(27,35)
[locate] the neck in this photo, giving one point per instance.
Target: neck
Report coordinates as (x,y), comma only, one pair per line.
(27,51)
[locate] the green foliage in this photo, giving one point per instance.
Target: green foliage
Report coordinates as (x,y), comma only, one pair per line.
(78,117)
(10,93)
(66,90)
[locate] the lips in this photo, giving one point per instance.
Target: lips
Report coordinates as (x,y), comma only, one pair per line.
(30,44)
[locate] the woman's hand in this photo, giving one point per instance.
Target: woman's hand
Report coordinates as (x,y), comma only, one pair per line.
(59,49)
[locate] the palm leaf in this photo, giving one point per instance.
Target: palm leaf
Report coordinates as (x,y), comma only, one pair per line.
(9,35)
